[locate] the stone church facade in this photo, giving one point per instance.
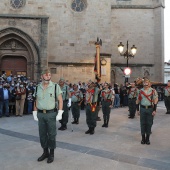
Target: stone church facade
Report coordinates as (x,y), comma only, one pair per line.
(60,35)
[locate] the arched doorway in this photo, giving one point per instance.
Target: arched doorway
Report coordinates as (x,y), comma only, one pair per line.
(18,53)
(16,65)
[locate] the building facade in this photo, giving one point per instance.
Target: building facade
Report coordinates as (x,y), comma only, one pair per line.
(60,35)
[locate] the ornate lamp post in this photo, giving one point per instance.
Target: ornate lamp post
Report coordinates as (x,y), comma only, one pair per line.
(127,54)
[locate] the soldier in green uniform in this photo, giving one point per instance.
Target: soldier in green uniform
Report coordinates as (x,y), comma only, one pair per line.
(76,99)
(45,105)
(148,99)
(107,103)
(91,103)
(66,96)
(132,94)
(167,97)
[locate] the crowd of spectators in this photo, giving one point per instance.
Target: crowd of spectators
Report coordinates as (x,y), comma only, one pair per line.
(16,94)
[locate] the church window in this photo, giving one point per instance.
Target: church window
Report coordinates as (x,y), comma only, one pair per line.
(78,5)
(17,3)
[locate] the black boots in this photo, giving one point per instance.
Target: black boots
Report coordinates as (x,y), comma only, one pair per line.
(147,139)
(106,122)
(44,155)
(63,127)
(51,156)
(48,155)
(143,139)
(90,131)
(76,121)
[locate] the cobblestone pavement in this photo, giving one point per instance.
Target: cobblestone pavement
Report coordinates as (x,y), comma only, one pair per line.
(114,148)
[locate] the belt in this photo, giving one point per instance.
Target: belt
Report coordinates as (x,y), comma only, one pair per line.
(146,107)
(46,111)
(133,98)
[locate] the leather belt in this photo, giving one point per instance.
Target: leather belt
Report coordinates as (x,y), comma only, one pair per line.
(146,107)
(46,111)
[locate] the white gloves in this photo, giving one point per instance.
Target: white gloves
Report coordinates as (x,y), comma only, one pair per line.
(59,115)
(69,102)
(35,115)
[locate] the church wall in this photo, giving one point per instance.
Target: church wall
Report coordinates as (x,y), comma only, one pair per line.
(71,35)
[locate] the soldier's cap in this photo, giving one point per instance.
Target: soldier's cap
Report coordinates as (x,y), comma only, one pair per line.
(62,79)
(45,71)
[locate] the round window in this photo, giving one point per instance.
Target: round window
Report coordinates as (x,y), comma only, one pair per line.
(17,3)
(78,5)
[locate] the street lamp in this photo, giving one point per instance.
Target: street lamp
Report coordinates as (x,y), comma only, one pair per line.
(127,54)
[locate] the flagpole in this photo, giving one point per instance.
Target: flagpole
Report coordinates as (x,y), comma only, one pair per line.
(98,43)
(98,60)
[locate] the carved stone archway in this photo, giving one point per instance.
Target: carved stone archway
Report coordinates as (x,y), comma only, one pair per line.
(14,42)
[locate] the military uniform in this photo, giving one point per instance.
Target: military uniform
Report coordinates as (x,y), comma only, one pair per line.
(132,94)
(76,99)
(147,106)
(167,99)
(107,97)
(46,114)
(91,102)
(65,96)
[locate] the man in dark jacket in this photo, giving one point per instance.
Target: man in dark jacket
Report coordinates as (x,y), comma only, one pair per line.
(4,100)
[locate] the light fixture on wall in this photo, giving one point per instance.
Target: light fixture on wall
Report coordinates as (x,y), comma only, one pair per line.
(103,61)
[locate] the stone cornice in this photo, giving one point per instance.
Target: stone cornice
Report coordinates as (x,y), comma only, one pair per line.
(71,63)
(136,6)
(132,65)
(23,16)
(105,55)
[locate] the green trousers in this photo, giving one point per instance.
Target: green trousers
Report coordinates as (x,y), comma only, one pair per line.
(146,120)
(90,117)
(47,129)
(167,103)
(132,106)
(75,108)
(106,110)
(65,115)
